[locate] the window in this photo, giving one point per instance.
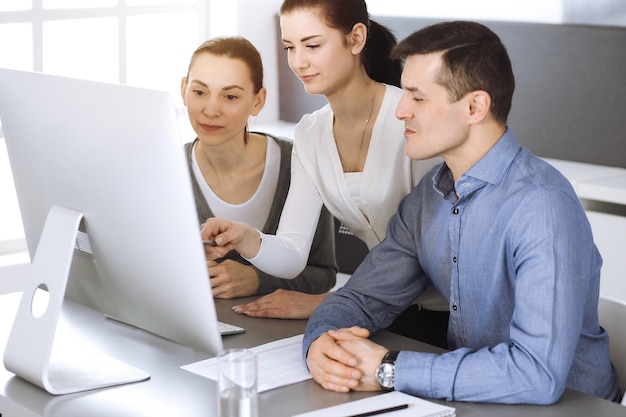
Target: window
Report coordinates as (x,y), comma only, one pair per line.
(146,43)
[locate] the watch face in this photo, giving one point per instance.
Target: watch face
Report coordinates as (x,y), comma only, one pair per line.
(384,374)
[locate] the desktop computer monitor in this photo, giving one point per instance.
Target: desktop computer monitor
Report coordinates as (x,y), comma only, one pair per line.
(102,166)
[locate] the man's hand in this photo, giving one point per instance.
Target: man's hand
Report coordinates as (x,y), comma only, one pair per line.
(344,360)
(282,304)
(369,355)
(332,366)
(230,279)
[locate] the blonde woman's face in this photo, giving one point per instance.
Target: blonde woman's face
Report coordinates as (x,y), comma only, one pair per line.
(318,54)
(219,95)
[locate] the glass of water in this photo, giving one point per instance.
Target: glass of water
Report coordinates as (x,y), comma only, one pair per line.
(237,383)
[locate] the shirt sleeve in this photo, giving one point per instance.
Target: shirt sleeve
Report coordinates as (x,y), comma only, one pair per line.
(551,257)
(387,281)
(320,273)
(285,254)
(550,261)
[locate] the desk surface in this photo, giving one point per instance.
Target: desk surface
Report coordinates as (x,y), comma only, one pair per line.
(594,182)
(172,391)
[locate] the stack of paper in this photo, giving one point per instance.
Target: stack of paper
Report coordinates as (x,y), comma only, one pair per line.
(279,363)
(381,405)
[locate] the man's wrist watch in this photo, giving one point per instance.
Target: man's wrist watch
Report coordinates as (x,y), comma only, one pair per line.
(385,374)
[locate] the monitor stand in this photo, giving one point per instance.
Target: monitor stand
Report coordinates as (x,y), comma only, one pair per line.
(29,349)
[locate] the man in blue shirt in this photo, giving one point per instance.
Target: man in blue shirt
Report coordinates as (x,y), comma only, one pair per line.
(499,232)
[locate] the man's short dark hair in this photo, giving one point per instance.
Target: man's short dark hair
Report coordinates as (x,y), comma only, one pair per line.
(473,58)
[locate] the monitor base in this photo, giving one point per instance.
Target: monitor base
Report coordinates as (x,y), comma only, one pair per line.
(29,348)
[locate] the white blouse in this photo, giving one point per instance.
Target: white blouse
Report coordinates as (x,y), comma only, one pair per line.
(317,179)
(254,211)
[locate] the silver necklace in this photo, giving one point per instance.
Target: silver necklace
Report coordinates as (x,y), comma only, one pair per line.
(367,120)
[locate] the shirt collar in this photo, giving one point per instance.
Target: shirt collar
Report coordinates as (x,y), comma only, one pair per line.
(491,168)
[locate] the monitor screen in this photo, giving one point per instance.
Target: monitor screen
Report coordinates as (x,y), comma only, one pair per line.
(112,152)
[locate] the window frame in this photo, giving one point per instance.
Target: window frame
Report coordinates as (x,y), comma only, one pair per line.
(37,16)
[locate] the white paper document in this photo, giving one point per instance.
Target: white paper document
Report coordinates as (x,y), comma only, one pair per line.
(378,403)
(279,363)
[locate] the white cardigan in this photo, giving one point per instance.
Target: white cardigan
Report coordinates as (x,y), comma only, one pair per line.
(317,178)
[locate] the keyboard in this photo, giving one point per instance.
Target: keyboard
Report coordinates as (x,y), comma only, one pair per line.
(227,328)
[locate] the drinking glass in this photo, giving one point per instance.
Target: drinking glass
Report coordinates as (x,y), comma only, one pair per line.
(237,383)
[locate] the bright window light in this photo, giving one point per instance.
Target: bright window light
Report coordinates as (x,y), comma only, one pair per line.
(159,58)
(17,54)
(223,18)
(10,218)
(157,2)
(82,48)
(77,4)
(146,43)
(15,5)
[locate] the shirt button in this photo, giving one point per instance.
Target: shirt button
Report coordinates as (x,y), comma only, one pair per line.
(454,307)
(456,210)
(454,259)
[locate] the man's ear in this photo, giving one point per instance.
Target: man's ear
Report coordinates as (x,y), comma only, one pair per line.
(479,106)
(357,38)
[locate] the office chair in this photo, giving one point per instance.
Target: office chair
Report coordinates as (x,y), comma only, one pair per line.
(349,249)
(612,315)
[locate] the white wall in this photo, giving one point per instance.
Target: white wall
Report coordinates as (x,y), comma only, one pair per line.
(255,21)
(609,233)
(546,11)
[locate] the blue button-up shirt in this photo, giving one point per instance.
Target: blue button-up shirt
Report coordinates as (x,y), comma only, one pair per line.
(509,246)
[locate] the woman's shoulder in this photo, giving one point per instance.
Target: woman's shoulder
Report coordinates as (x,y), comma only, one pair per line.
(188,147)
(387,114)
(312,127)
(393,93)
(285,144)
(315,119)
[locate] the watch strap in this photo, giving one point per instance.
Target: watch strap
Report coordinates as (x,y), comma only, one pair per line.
(390,357)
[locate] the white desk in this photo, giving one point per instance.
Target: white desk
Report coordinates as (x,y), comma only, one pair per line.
(172,391)
(594,182)
(611,189)
(597,185)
